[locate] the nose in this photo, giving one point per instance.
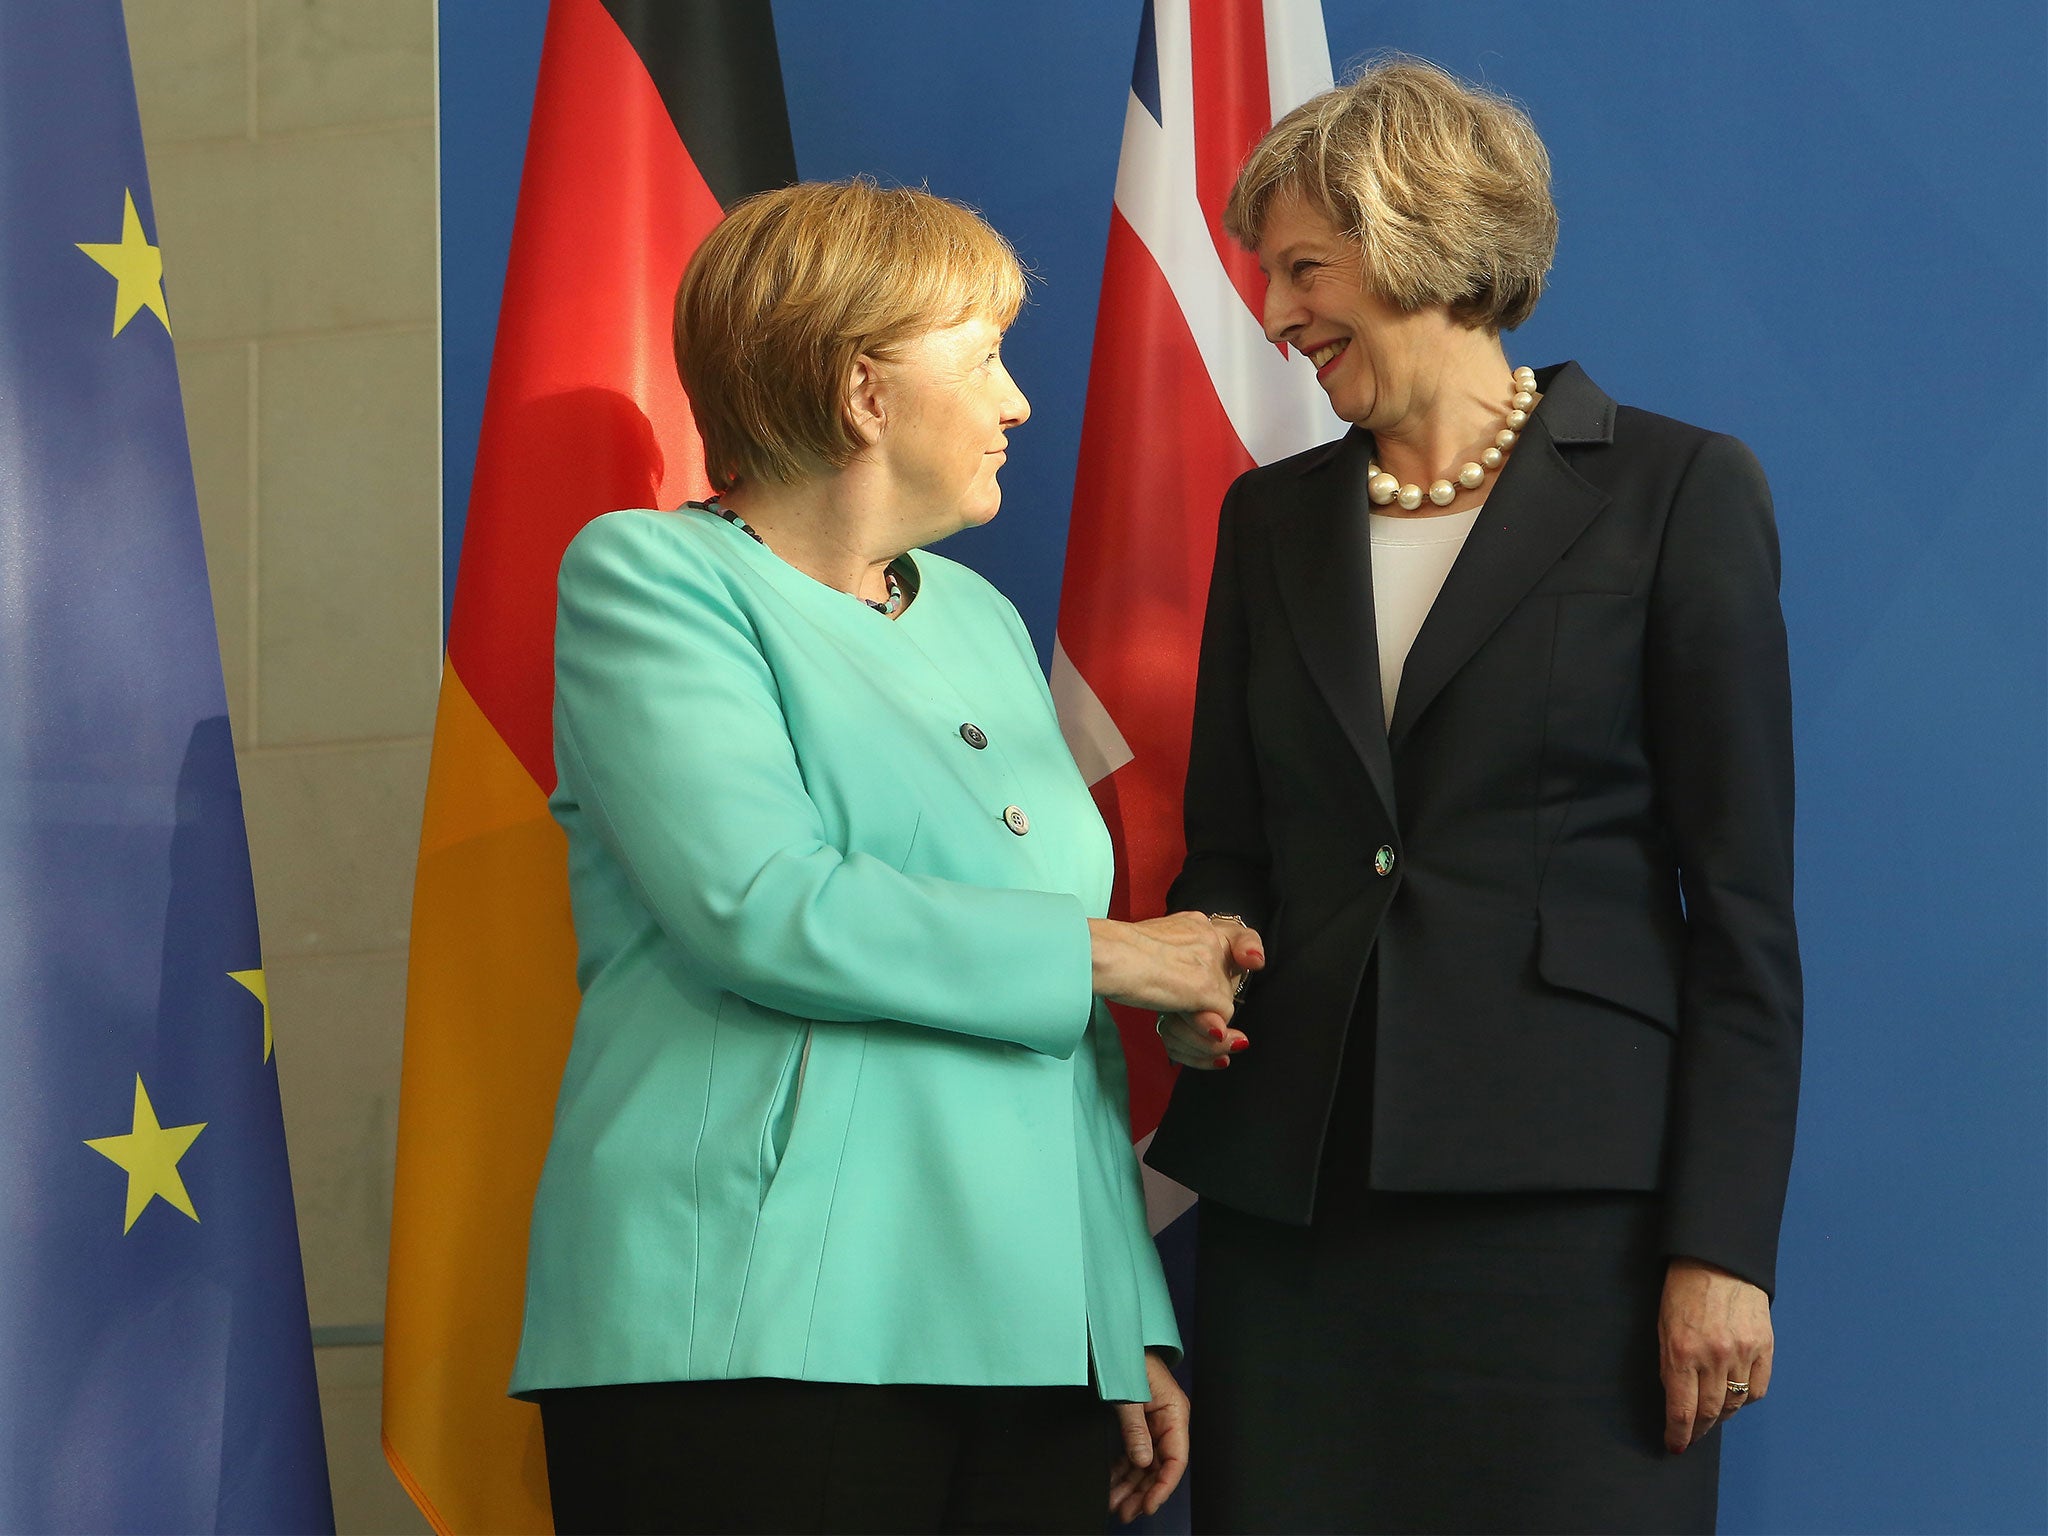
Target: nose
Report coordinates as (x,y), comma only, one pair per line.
(1016,409)
(1281,316)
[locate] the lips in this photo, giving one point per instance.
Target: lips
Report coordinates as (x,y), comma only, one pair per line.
(1326,355)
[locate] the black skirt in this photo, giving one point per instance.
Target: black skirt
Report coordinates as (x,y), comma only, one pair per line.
(1435,1362)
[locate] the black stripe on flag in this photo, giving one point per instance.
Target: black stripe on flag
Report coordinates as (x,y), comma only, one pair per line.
(716,66)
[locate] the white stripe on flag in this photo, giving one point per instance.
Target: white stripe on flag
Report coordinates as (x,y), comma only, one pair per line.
(1297,53)
(1098,746)
(1165,1201)
(1271,398)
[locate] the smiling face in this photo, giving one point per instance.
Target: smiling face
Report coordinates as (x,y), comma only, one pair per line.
(1373,359)
(947,405)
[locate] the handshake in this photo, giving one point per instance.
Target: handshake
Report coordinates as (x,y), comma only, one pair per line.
(1189,968)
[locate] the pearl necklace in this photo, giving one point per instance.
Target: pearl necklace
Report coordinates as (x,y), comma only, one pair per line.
(1383,487)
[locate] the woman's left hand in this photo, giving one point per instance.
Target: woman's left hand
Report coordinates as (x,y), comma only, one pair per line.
(1714,1330)
(1155,1445)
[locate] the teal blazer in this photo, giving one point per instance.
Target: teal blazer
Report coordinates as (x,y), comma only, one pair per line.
(841,1105)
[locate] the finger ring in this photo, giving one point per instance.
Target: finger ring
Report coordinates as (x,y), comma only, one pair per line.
(1738,1387)
(1159,1026)
(1242,978)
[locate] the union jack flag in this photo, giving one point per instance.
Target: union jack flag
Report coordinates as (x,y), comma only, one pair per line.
(1184,394)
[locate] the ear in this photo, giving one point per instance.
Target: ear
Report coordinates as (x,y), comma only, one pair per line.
(867,400)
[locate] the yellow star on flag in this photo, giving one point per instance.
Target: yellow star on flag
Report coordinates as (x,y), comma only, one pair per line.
(150,1153)
(138,269)
(254,981)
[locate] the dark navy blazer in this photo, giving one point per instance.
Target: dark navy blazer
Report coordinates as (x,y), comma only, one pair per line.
(1571,853)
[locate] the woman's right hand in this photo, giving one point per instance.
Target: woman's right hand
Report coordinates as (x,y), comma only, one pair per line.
(1186,966)
(1204,1039)
(1184,963)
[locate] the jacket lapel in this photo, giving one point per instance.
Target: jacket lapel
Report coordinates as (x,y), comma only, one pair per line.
(1538,507)
(1322,555)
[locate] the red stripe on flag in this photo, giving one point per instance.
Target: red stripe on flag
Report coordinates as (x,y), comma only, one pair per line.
(1157,454)
(1233,110)
(584,412)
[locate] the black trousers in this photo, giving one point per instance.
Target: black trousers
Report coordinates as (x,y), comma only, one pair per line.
(774,1455)
(1435,1362)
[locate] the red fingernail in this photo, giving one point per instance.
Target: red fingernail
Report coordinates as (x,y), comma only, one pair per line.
(1216,1035)
(1220,1061)
(1258,957)
(1240,1043)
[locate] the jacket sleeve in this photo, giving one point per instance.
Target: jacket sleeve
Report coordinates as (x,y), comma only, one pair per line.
(1228,867)
(1157,1325)
(670,727)
(1719,713)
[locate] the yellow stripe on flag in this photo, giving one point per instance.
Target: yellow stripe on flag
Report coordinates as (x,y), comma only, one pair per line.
(490,1003)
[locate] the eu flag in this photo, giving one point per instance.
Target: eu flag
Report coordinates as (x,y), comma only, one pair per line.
(156,1371)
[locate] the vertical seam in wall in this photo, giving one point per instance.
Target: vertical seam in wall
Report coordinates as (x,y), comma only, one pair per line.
(252,696)
(250,21)
(440,382)
(251,51)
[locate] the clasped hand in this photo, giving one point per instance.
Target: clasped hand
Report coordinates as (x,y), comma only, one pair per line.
(1203,1037)
(1184,965)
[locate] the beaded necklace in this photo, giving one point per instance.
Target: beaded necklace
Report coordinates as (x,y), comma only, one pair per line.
(889,609)
(1383,487)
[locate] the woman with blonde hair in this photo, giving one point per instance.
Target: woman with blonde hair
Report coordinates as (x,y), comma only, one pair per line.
(1493,729)
(840,1226)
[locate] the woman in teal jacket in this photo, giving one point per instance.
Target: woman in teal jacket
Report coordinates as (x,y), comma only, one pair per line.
(840,1226)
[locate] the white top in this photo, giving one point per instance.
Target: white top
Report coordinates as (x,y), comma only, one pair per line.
(1411,556)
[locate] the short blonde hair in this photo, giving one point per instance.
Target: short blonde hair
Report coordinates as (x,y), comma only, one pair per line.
(1445,185)
(793,285)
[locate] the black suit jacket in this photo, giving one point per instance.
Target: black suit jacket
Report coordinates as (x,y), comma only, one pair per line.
(1572,852)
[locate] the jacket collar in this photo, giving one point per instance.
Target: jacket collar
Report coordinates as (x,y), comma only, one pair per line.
(1537,508)
(1315,458)
(1322,550)
(1575,410)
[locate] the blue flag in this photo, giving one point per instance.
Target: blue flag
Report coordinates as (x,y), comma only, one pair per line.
(156,1371)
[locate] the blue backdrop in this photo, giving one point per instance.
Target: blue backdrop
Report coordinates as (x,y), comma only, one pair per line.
(1820,227)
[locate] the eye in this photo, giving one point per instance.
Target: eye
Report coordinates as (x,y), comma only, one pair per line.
(1300,267)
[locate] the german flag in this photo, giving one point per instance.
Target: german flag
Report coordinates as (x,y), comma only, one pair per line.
(650,119)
